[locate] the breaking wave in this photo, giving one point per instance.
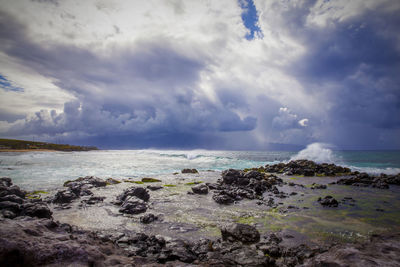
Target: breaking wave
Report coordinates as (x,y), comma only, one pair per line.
(318,152)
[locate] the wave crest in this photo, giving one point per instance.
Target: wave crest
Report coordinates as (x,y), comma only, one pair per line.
(318,152)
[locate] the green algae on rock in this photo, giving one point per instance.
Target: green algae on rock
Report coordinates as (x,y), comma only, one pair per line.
(150,180)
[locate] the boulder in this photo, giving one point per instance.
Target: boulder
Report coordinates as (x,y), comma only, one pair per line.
(64,196)
(231,176)
(11,206)
(240,232)
(39,210)
(5,181)
(11,190)
(138,192)
(328,201)
(12,198)
(148,218)
(222,198)
(190,171)
(200,189)
(133,205)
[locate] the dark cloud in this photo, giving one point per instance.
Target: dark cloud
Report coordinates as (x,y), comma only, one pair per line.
(354,64)
(145,92)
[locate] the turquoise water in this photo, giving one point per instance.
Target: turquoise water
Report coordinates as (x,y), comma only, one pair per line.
(39,170)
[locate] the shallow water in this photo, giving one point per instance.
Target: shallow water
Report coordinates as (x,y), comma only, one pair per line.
(47,170)
(194,216)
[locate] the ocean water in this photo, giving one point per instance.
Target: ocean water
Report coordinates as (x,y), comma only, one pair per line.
(48,170)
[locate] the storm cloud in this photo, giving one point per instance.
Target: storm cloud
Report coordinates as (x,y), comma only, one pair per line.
(186,74)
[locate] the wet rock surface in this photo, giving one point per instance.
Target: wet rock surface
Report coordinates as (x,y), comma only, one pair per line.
(133,200)
(201,189)
(26,241)
(148,218)
(307,168)
(133,205)
(14,204)
(240,232)
(328,201)
(77,188)
(380,250)
(236,185)
(138,192)
(237,244)
(365,180)
(190,171)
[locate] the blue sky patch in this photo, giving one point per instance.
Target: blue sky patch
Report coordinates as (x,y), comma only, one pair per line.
(250,18)
(7,86)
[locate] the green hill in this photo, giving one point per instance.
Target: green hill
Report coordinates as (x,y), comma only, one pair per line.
(21,144)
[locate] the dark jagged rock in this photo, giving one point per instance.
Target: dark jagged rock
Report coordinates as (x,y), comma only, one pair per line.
(5,181)
(179,250)
(190,171)
(43,242)
(11,190)
(77,188)
(12,198)
(378,251)
(64,196)
(231,176)
(328,201)
(138,192)
(240,232)
(307,168)
(89,181)
(222,198)
(14,203)
(365,180)
(39,210)
(236,185)
(148,218)
(133,205)
(200,189)
(11,206)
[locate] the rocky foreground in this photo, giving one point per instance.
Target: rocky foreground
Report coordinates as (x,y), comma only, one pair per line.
(29,236)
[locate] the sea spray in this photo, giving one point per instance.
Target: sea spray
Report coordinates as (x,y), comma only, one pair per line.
(318,152)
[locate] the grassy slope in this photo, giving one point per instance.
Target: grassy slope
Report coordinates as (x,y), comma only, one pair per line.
(21,144)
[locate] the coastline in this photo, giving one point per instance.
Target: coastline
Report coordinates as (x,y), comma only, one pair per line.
(28,150)
(266,216)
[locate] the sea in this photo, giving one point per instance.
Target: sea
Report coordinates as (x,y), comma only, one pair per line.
(48,170)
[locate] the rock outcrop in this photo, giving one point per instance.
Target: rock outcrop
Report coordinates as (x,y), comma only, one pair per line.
(365,180)
(236,185)
(307,168)
(77,188)
(133,200)
(13,202)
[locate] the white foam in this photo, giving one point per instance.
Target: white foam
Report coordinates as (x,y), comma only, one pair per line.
(318,152)
(375,171)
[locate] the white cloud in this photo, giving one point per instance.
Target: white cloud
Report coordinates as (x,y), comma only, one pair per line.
(303,122)
(148,66)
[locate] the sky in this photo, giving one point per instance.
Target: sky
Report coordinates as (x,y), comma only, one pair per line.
(223,74)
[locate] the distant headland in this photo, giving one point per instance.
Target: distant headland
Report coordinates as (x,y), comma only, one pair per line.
(10,145)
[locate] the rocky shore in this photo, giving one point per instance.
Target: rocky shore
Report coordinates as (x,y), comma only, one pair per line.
(31,236)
